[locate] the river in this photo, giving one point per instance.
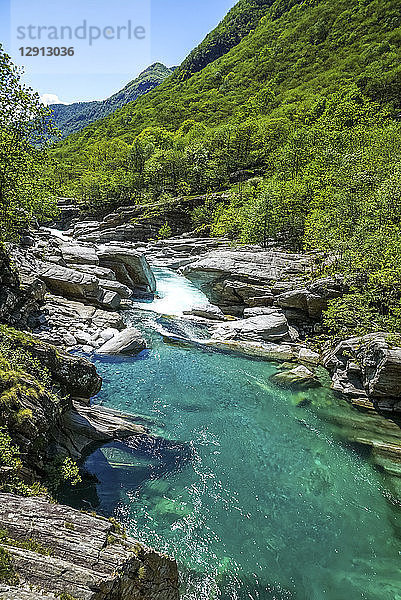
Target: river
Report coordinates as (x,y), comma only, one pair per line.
(266,502)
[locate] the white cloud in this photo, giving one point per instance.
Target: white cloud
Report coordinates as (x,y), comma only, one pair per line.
(51,99)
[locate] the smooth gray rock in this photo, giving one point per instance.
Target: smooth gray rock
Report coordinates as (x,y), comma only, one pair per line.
(67,282)
(130,267)
(308,356)
(74,253)
(115,286)
(207,311)
(128,341)
(262,266)
(108,299)
(269,328)
(108,333)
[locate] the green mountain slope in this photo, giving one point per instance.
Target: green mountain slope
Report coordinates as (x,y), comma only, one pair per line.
(243,17)
(74,117)
(294,107)
(312,47)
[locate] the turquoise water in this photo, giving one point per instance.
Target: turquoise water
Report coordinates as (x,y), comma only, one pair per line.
(254,496)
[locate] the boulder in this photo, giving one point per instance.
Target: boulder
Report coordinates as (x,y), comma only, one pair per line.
(130,267)
(128,341)
(272,327)
(368,367)
(255,266)
(308,356)
(242,278)
(298,377)
(108,299)
(207,311)
(312,300)
(108,333)
(116,287)
(84,427)
(67,282)
(99,272)
(304,301)
(79,254)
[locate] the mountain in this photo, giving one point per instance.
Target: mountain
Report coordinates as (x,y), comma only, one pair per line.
(286,48)
(74,117)
(293,109)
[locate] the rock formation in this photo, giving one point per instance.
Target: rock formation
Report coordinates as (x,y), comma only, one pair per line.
(81,287)
(366,369)
(59,550)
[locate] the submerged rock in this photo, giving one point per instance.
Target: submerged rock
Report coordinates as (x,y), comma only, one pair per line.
(297,377)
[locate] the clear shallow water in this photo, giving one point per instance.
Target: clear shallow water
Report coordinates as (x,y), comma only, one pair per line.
(255,497)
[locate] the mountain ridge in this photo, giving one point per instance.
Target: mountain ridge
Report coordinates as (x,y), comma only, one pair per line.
(71,118)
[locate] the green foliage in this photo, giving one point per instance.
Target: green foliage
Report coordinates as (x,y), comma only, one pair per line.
(66,596)
(164,232)
(24,125)
(19,358)
(7,572)
(117,527)
(111,539)
(61,471)
(10,470)
(350,316)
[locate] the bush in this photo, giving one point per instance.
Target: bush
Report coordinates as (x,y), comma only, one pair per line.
(7,573)
(350,315)
(164,232)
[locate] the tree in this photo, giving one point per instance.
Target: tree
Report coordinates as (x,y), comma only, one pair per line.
(25,127)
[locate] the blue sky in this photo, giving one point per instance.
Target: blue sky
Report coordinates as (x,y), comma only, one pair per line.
(173,28)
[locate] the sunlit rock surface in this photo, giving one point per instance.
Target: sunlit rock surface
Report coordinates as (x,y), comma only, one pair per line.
(82,555)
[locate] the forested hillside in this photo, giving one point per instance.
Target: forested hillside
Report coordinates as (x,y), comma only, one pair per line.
(295,107)
(70,118)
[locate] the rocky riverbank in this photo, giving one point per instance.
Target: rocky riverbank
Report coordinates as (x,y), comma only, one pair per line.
(46,549)
(74,291)
(58,552)
(262,302)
